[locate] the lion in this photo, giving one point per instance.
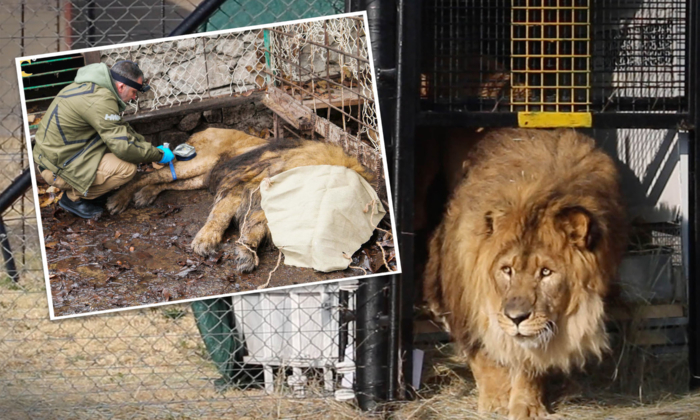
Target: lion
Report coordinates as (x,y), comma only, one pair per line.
(232,164)
(520,265)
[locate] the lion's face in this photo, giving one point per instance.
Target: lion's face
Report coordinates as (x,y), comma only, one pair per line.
(532,281)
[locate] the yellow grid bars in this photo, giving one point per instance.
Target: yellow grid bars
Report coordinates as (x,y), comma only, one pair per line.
(550,56)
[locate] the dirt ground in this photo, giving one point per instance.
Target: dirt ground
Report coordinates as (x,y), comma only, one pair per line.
(151,364)
(142,256)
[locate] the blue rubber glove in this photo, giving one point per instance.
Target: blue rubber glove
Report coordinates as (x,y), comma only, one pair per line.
(168,156)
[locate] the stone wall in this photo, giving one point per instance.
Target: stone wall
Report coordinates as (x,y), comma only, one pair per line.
(252,117)
(195,68)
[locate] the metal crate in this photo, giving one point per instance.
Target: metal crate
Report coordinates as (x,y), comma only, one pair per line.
(573,59)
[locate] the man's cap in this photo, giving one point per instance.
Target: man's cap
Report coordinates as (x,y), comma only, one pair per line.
(141,87)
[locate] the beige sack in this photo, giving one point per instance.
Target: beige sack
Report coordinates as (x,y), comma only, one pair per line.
(320,215)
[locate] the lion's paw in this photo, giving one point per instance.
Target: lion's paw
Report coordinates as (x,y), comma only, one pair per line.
(146,196)
(246,260)
(119,201)
(205,242)
(493,403)
(528,412)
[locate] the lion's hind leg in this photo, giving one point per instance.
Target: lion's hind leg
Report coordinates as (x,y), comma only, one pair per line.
(147,195)
(253,231)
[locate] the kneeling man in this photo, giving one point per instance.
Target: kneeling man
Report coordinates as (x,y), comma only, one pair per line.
(82,145)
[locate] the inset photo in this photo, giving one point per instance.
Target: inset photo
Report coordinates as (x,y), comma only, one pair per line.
(207,165)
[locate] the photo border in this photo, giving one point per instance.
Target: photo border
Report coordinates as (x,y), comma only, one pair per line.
(32,165)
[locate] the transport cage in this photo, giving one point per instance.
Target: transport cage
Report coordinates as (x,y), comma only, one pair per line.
(577,59)
(301,331)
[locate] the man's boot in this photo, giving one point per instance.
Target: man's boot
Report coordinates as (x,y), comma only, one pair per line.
(81,208)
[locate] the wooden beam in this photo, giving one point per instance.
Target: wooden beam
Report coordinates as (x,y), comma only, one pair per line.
(304,118)
(91,57)
(188,108)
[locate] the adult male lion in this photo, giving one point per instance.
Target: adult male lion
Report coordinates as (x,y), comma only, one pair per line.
(232,164)
(521,262)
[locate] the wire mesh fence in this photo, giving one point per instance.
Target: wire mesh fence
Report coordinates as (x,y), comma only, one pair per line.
(252,354)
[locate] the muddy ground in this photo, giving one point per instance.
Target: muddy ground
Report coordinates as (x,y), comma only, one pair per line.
(142,256)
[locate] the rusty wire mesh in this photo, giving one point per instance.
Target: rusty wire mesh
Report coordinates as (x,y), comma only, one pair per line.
(324,65)
(153,363)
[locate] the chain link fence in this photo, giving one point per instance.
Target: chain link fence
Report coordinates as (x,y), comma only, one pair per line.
(253,354)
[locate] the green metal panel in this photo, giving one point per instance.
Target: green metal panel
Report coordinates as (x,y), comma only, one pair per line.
(236,14)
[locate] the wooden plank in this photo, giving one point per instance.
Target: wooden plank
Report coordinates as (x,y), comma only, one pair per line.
(188,108)
(304,118)
(92,57)
(338,99)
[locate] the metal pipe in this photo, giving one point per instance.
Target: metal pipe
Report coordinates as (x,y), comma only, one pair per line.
(372,354)
(343,333)
(197,17)
(693,64)
(371,349)
(15,190)
(406,108)
(7,256)
(91,24)
(18,187)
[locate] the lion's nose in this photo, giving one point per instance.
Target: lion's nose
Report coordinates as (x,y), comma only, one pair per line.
(517,319)
(517,310)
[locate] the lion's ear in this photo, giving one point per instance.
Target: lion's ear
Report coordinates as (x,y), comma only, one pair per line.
(488,223)
(579,226)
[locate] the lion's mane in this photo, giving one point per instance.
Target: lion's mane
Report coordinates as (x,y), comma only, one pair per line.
(511,176)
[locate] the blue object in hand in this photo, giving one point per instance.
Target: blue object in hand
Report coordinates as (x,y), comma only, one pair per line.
(167,155)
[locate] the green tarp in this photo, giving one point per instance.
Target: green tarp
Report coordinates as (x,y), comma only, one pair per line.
(237,14)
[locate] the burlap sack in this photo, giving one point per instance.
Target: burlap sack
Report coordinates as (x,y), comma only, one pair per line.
(320,215)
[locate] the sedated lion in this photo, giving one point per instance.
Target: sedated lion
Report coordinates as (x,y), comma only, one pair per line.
(232,164)
(520,264)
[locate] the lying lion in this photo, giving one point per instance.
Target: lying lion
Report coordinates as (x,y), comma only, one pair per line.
(232,164)
(521,262)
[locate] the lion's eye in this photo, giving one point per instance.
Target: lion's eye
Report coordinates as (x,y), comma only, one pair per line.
(507,270)
(545,272)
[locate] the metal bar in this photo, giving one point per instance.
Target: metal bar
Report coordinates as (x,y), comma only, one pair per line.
(407,98)
(322,46)
(510,119)
(40,99)
(318,77)
(15,190)
(51,61)
(693,66)
(344,319)
(49,85)
(50,72)
(197,17)
(371,350)
(90,13)
(7,256)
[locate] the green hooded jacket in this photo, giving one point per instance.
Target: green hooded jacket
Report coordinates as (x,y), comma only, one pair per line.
(82,124)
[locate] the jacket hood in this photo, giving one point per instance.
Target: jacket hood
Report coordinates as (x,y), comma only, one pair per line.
(98,74)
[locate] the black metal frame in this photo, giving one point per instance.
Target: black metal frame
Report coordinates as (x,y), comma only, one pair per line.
(684,121)
(693,94)
(16,189)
